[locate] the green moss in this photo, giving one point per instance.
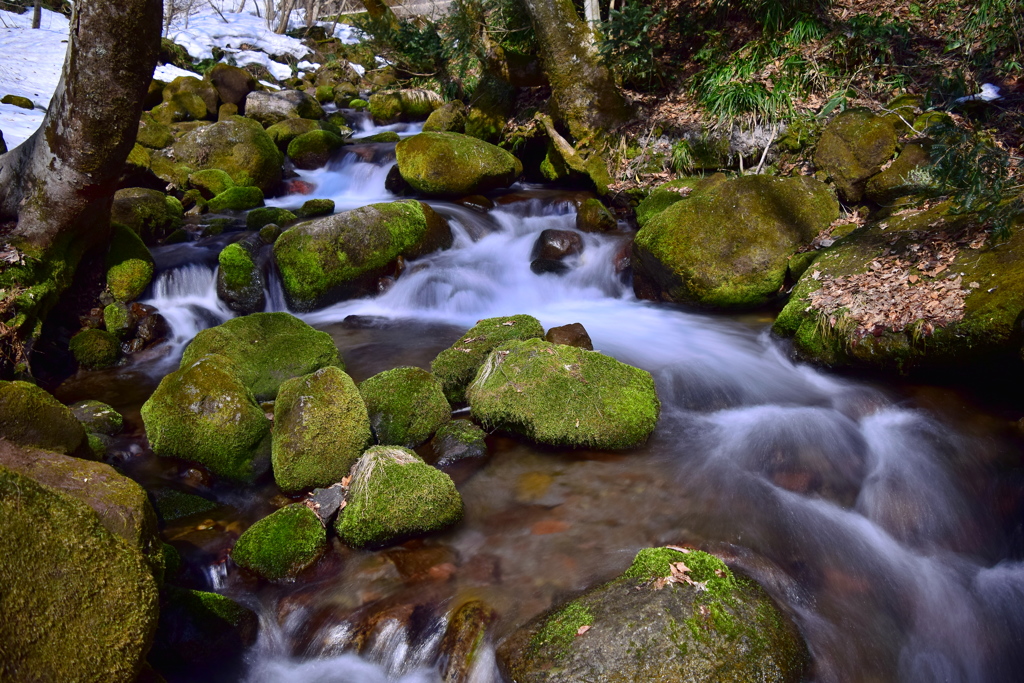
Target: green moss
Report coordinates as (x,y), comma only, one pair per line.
(97,417)
(172,561)
(129,264)
(593,216)
(257,219)
(385,107)
(664,196)
(270,232)
(358,104)
(313,149)
(118,319)
(95,349)
(237,266)
(386,136)
(97,444)
(265,350)
(853,147)
(456,366)
(238,146)
(451,165)
(281,544)
(152,133)
(564,396)
(236,199)
(149,213)
(560,628)
(173,505)
(17,101)
(211,182)
(138,159)
(320,429)
(32,417)
(393,496)
(206,414)
(457,440)
(316,207)
(283,132)
(449,118)
(406,406)
(325,93)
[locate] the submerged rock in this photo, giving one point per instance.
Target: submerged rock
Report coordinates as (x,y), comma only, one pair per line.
(281,544)
(453,165)
(728,245)
(853,147)
(456,366)
(328,258)
(406,406)
(458,440)
(394,495)
(672,616)
(564,396)
(463,640)
(320,429)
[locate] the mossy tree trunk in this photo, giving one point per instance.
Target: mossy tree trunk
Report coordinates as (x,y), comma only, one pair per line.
(585,98)
(57,187)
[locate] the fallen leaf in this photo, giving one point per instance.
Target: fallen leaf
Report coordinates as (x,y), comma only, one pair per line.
(509,323)
(582,629)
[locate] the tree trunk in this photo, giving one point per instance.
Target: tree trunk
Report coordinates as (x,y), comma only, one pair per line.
(57,187)
(583,94)
(37,13)
(592,12)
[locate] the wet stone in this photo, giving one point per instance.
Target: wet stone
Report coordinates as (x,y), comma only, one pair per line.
(573,334)
(326,502)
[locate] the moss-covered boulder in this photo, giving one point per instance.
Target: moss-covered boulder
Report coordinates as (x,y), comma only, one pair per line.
(95,349)
(456,366)
(448,118)
(259,218)
(564,396)
(281,544)
(406,406)
(904,176)
(727,245)
(265,350)
(211,182)
(237,146)
(314,149)
(172,505)
(189,87)
(80,594)
(451,165)
(320,429)
(152,133)
(314,208)
(387,136)
(490,107)
(919,290)
(233,84)
(667,194)
(285,131)
(32,417)
(593,216)
(393,496)
(97,417)
(240,277)
(151,214)
(328,258)
(269,108)
(412,104)
(17,101)
(672,616)
(458,440)
(119,320)
(201,630)
(129,264)
(206,414)
(236,199)
(852,148)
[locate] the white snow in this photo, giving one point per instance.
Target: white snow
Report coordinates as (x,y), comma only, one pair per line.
(168,72)
(988,93)
(199,34)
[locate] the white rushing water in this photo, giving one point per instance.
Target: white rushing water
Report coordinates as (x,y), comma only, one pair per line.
(854,498)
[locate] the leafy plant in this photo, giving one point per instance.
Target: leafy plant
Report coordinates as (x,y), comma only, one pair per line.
(628,43)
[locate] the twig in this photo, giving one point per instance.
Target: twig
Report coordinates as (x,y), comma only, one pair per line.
(217,10)
(764,154)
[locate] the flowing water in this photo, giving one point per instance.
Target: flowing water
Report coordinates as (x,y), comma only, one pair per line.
(881,518)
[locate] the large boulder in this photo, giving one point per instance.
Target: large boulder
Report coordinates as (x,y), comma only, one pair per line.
(232,83)
(918,290)
(320,429)
(564,396)
(672,616)
(313,149)
(285,131)
(238,146)
(206,414)
(453,165)
(281,544)
(449,118)
(394,495)
(32,417)
(269,108)
(328,258)
(150,214)
(265,350)
(904,176)
(411,104)
(728,245)
(667,194)
(853,147)
(189,87)
(129,264)
(406,406)
(79,598)
(456,366)
(95,349)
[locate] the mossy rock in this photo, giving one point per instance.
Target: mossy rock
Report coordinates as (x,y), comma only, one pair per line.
(387,136)
(190,87)
(325,94)
(152,133)
(642,627)
(129,264)
(456,366)
(118,319)
(452,165)
(593,216)
(490,107)
(314,208)
(240,277)
(151,214)
(79,601)
(667,194)
(203,630)
(97,417)
(458,440)
(269,108)
(727,245)
(282,544)
(95,349)
(320,430)
(406,406)
(233,84)
(314,149)
(899,180)
(853,147)
(987,333)
(17,101)
(564,396)
(238,146)
(285,131)
(204,413)
(263,216)
(173,505)
(328,258)
(449,118)
(403,105)
(32,417)
(211,182)
(358,104)
(393,496)
(236,199)
(265,350)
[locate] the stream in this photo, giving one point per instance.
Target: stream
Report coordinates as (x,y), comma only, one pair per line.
(883,518)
